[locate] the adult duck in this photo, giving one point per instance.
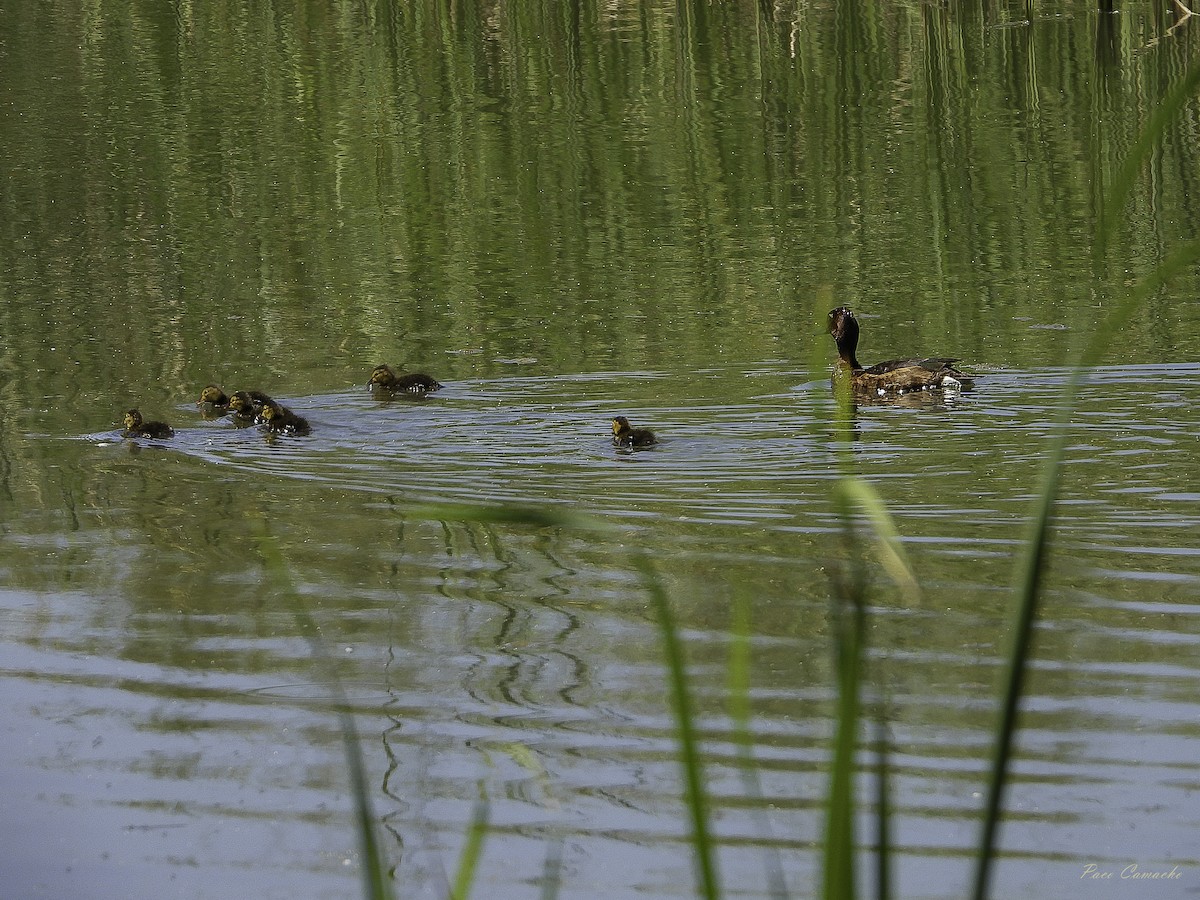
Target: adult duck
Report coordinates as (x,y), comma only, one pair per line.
(893,376)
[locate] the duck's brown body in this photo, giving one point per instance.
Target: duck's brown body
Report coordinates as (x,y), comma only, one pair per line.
(894,376)
(625,435)
(136,427)
(384,378)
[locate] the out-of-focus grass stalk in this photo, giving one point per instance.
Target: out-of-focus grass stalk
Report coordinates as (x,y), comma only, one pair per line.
(1031,564)
(740,714)
(693,775)
(855,501)
(552,871)
(472,850)
(376,884)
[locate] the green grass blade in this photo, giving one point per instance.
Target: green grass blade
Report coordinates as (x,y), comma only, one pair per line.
(1031,565)
(848,617)
(740,713)
(1028,583)
(693,776)
(552,871)
(376,882)
(883,813)
(861,494)
(468,860)
(1182,259)
(373,868)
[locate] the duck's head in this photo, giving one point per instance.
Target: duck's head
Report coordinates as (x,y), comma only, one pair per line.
(271,411)
(844,328)
(382,375)
(133,419)
(621,425)
(214,395)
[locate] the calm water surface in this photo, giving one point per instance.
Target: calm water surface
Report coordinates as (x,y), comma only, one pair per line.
(568,215)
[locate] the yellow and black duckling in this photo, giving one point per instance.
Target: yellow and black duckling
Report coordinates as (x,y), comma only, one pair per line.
(212,402)
(280,419)
(213,396)
(893,377)
(135,427)
(247,406)
(384,378)
(625,435)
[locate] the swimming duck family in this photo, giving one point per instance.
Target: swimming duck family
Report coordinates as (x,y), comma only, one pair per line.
(891,377)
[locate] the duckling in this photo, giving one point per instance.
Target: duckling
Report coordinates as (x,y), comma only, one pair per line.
(895,376)
(135,427)
(384,378)
(281,419)
(213,396)
(624,435)
(213,402)
(247,406)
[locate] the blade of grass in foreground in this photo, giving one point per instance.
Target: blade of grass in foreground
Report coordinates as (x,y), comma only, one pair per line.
(1030,571)
(883,815)
(468,860)
(552,871)
(848,617)
(853,497)
(740,714)
(376,883)
(697,797)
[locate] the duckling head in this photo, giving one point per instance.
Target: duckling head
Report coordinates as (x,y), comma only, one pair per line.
(243,404)
(214,395)
(382,375)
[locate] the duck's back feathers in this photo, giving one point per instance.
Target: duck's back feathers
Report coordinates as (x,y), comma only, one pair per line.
(931,364)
